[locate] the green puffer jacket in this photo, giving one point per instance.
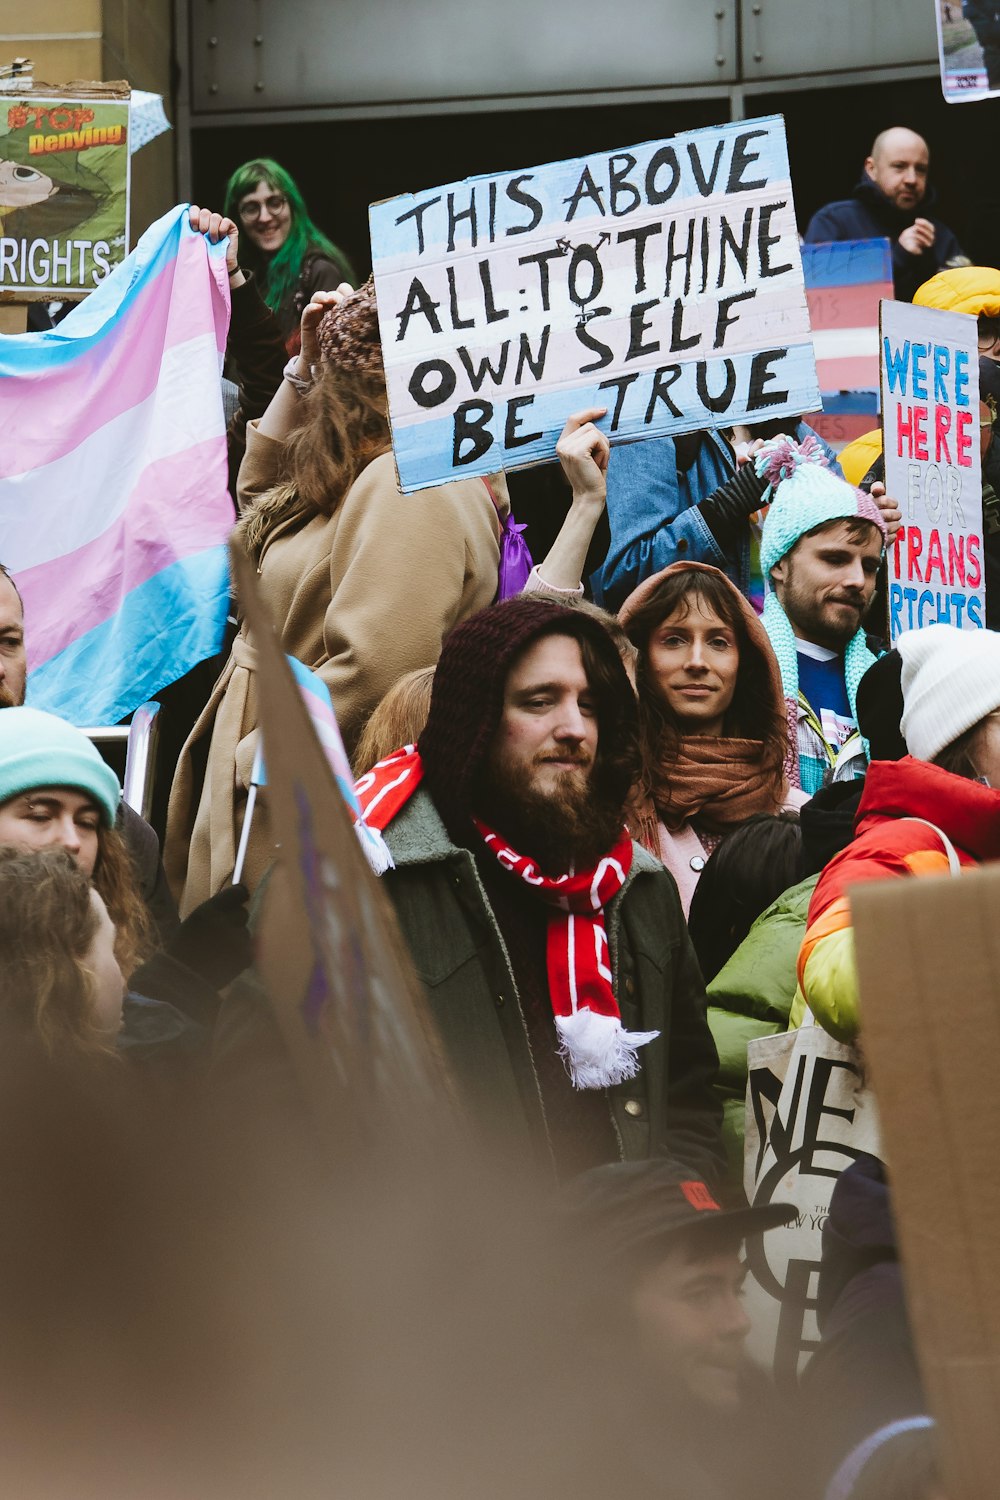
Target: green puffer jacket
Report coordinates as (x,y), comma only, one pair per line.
(459,955)
(751,996)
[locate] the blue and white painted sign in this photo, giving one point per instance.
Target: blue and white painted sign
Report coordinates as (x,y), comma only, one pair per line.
(663,282)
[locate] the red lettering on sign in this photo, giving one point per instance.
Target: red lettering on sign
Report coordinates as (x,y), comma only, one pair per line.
(935,558)
(942,426)
(914,547)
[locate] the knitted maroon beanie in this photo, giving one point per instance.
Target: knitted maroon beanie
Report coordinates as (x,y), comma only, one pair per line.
(467,699)
(348,335)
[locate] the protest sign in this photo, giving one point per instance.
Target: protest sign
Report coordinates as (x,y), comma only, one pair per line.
(339,978)
(928,955)
(64,189)
(808,1117)
(663,282)
(968,33)
(930,429)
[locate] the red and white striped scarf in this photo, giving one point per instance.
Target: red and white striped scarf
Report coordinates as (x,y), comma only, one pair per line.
(596,1047)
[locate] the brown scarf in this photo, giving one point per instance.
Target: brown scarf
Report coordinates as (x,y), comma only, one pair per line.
(714,782)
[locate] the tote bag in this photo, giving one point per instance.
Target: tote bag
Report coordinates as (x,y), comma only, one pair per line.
(809,1115)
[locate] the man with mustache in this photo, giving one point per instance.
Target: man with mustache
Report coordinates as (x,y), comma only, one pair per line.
(892,201)
(821,546)
(553,950)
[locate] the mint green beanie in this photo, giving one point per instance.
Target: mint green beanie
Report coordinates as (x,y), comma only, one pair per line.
(804,493)
(39,749)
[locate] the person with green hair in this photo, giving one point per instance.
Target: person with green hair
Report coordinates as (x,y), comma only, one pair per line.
(290,257)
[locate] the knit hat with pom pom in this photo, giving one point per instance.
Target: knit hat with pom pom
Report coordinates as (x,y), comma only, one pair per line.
(806,494)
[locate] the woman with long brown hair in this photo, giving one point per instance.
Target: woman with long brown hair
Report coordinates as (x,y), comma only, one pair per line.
(712,717)
(61,984)
(363,583)
(57,792)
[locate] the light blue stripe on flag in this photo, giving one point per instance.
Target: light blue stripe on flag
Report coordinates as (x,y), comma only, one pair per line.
(319,704)
(122,662)
(847,263)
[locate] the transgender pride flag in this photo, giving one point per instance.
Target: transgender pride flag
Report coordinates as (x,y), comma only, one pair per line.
(316,697)
(114,510)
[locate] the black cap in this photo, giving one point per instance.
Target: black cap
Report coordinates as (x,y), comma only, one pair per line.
(880,707)
(636,1211)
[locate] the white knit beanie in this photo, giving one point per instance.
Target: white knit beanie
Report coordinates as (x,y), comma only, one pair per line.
(950,681)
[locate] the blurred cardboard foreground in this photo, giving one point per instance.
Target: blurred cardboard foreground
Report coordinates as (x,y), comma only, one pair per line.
(351,1010)
(928,955)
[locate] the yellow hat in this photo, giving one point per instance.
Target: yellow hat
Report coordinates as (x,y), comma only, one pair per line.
(857,458)
(964,289)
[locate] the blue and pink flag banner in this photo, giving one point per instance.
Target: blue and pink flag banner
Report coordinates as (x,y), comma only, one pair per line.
(316,697)
(114,507)
(845,282)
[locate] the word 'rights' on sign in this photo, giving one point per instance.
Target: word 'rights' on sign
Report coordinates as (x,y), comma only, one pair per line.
(663,282)
(930,419)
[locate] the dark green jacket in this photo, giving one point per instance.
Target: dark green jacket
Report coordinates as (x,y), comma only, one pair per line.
(752,996)
(459,954)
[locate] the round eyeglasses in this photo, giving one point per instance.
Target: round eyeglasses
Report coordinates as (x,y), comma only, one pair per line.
(251,211)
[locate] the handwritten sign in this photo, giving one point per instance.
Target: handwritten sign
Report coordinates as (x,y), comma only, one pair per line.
(930,417)
(663,282)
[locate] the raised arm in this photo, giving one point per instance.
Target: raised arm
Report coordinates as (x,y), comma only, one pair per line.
(583,451)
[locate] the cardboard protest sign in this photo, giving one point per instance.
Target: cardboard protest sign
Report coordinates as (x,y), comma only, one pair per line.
(808,1116)
(968,33)
(663,282)
(64,189)
(930,424)
(928,954)
(350,1007)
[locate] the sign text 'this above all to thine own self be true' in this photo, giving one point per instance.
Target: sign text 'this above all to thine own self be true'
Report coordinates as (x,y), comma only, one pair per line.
(663,282)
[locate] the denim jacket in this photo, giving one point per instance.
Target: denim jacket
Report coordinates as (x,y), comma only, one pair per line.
(653,515)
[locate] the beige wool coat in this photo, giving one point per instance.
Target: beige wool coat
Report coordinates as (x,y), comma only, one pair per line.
(361,597)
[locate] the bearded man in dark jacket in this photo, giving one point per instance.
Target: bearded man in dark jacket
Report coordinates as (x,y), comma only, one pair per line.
(553,950)
(891,202)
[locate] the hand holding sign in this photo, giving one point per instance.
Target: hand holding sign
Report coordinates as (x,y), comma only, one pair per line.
(584,452)
(891,513)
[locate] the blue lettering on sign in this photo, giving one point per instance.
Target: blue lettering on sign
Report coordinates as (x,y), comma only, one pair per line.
(896,365)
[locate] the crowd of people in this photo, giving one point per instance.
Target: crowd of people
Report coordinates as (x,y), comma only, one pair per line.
(598,795)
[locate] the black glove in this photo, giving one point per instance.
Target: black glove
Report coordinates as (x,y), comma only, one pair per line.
(213,940)
(726,511)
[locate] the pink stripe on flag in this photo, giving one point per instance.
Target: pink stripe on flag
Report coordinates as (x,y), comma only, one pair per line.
(846,306)
(118,368)
(858,373)
(842,427)
(130,552)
